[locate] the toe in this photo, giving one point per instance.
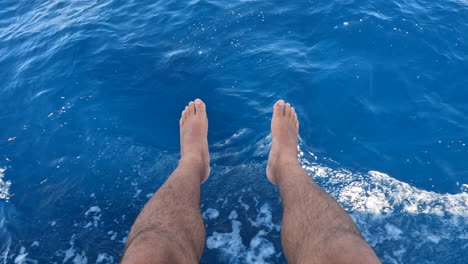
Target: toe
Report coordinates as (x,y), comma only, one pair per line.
(278,108)
(186,113)
(200,106)
(287,110)
(182,118)
(293,117)
(191,108)
(296,122)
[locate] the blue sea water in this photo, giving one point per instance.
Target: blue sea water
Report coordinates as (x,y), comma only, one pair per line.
(91,92)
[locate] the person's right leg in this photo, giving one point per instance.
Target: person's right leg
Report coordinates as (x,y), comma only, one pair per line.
(170,227)
(315,229)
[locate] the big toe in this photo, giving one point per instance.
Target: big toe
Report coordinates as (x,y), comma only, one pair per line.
(200,107)
(278,109)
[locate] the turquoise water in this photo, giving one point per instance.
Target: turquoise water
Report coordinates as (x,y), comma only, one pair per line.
(91,93)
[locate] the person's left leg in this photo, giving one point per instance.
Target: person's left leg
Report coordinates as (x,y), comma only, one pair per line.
(170,227)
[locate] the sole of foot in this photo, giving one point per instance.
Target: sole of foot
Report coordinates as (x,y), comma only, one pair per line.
(193,138)
(284,137)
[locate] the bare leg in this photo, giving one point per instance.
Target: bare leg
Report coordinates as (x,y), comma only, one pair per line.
(315,229)
(170,227)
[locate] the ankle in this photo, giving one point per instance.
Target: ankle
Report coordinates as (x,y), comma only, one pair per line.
(287,162)
(280,161)
(193,160)
(194,163)
(279,166)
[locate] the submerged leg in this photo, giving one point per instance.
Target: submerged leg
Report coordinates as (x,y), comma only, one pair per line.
(170,227)
(315,229)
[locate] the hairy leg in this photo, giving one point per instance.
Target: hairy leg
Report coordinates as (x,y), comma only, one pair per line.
(315,229)
(170,227)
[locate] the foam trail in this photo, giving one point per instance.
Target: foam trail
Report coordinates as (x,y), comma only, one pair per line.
(4,186)
(260,249)
(397,219)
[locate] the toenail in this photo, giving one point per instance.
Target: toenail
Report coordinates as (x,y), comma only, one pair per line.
(198,101)
(280,103)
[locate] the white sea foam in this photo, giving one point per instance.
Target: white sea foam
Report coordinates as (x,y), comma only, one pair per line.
(244,205)
(113,235)
(379,193)
(393,231)
(264,219)
(80,258)
(210,213)
(137,192)
(21,258)
(95,213)
(93,209)
(233,215)
(4,186)
(235,136)
(73,254)
(168,55)
(104,258)
(70,252)
(464,188)
(260,249)
(230,245)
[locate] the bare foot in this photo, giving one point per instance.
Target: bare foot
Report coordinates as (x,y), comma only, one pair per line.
(193,138)
(284,136)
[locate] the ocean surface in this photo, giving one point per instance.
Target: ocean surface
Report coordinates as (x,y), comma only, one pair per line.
(91,92)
